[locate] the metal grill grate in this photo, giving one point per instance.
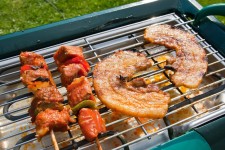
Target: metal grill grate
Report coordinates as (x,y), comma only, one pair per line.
(186,105)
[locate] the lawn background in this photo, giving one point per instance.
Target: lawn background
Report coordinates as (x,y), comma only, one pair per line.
(17,15)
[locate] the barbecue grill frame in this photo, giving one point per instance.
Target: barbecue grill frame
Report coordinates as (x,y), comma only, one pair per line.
(47,35)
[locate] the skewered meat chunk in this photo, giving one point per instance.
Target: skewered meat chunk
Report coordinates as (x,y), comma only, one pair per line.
(31,58)
(67,52)
(71,71)
(79,90)
(30,76)
(37,79)
(133,98)
(190,64)
(37,106)
(49,94)
(91,123)
(52,120)
(47,97)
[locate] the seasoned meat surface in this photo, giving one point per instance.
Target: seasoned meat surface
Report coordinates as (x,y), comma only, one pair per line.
(134,98)
(52,120)
(46,97)
(30,76)
(79,90)
(66,52)
(34,71)
(37,106)
(31,58)
(91,123)
(71,71)
(190,63)
(48,94)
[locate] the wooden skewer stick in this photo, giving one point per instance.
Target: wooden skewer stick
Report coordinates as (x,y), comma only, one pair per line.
(56,147)
(98,144)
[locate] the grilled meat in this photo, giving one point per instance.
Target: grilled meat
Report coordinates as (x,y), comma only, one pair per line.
(134,98)
(31,58)
(91,123)
(65,53)
(47,97)
(190,64)
(37,79)
(30,76)
(46,109)
(52,120)
(37,106)
(79,90)
(71,71)
(49,94)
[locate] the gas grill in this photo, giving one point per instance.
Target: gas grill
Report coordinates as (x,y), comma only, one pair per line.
(101,34)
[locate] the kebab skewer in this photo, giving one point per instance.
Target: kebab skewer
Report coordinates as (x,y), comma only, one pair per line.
(47,111)
(73,68)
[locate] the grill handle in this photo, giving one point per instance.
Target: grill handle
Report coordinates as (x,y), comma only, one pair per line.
(215,9)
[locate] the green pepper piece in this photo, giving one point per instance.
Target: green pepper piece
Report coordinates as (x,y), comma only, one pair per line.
(84,104)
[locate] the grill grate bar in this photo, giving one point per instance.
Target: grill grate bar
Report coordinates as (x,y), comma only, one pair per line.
(201,88)
(93,50)
(142,127)
(149,135)
(22,119)
(148,74)
(100,40)
(15,110)
(11,91)
(111,52)
(122,34)
(183,23)
(211,73)
(17,100)
(170,126)
(21,144)
(117,121)
(17,134)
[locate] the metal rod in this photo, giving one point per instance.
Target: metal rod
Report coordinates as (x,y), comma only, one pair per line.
(160,130)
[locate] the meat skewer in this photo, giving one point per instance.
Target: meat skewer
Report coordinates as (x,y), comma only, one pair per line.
(46,111)
(73,68)
(56,147)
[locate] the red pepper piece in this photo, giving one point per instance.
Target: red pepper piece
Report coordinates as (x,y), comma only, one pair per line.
(79,60)
(24,68)
(91,123)
(31,67)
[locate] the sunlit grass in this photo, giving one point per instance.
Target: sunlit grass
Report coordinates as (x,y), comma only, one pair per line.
(209,2)
(17,15)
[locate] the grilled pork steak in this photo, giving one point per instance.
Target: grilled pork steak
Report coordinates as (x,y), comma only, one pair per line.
(134,98)
(190,64)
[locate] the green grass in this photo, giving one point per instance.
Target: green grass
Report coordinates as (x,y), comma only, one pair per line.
(17,15)
(208,2)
